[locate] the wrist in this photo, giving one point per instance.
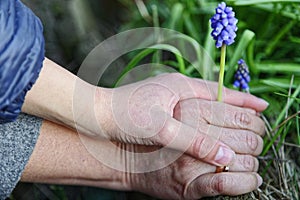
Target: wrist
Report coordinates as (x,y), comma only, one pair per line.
(103,112)
(51,97)
(69,162)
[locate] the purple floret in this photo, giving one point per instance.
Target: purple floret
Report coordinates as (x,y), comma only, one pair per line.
(224,26)
(242,76)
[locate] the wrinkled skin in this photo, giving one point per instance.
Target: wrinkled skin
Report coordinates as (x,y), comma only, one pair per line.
(188,178)
(181,112)
(169,110)
(60,157)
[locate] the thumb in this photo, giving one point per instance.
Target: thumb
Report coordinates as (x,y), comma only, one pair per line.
(182,137)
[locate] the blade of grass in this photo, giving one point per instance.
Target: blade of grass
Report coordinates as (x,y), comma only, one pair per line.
(269,144)
(190,27)
(143,10)
(146,52)
(137,59)
(250,58)
(176,16)
(294,39)
(176,52)
(290,68)
(282,131)
(269,8)
(284,95)
(203,70)
(155,15)
(279,83)
(298,126)
(259,89)
(209,46)
(281,151)
(157,55)
(280,148)
(282,114)
(277,38)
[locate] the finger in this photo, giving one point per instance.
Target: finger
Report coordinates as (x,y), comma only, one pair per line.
(232,97)
(193,111)
(223,184)
(181,137)
(245,100)
(244,163)
(194,167)
(235,117)
(188,88)
(240,141)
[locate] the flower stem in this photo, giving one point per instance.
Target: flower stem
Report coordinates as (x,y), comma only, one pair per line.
(221,73)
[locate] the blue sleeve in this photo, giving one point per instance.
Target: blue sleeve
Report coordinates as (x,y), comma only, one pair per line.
(21,56)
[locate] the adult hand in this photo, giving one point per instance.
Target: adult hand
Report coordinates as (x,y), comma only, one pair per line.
(69,162)
(153,112)
(143,112)
(188,178)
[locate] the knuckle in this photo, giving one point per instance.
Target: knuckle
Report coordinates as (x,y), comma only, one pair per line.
(252,142)
(203,146)
(249,163)
(197,147)
(242,119)
(166,134)
(219,183)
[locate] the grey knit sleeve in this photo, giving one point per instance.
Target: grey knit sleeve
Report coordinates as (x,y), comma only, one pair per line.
(17,140)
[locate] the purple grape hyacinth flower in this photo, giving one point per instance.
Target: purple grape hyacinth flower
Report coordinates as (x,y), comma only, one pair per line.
(242,76)
(224,26)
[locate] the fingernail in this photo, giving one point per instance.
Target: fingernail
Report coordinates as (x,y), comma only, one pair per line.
(266,104)
(224,156)
(259,180)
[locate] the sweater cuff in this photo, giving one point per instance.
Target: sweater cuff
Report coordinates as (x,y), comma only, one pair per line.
(21,56)
(17,141)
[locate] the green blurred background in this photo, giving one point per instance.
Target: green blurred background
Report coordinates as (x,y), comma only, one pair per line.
(268,39)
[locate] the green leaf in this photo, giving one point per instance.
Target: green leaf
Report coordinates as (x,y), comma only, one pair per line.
(203,64)
(241,47)
(176,16)
(250,58)
(270,8)
(150,50)
(280,83)
(277,38)
(272,67)
(190,26)
(285,95)
(210,48)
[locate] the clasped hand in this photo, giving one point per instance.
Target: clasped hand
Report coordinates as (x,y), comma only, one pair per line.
(181,113)
(169,111)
